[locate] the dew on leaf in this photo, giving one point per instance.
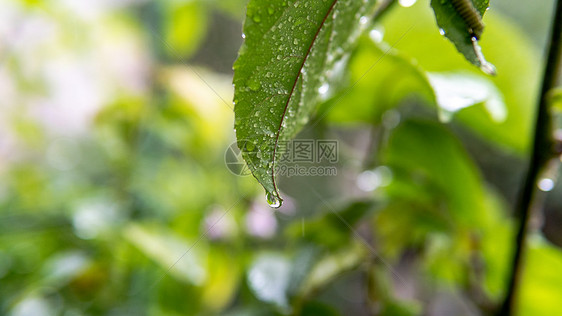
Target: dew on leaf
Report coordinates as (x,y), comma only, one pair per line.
(253,84)
(250,146)
(273,201)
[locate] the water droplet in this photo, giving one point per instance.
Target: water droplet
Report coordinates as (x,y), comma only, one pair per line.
(407,3)
(253,84)
(363,20)
(243,35)
(250,146)
(273,201)
(376,34)
(324,88)
(441,31)
(546,184)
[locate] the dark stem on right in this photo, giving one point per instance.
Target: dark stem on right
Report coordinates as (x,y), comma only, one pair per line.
(542,152)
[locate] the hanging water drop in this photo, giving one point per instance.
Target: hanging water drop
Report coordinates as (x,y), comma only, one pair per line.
(273,201)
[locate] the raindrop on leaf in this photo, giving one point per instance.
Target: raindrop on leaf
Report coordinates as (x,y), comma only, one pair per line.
(273,201)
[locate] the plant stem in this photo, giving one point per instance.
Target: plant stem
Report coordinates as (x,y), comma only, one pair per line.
(542,152)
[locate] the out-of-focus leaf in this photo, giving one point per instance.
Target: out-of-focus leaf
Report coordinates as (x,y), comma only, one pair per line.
(517,78)
(395,308)
(333,264)
(393,80)
(438,202)
(433,157)
(290,54)
(329,229)
(268,278)
(555,98)
(316,308)
(304,260)
(260,310)
(221,284)
(185,24)
(62,267)
(165,248)
(457,91)
(541,286)
(458,28)
(206,108)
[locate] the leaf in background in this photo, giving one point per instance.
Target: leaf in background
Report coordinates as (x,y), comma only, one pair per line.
(438,202)
(460,28)
(268,278)
(185,24)
(518,71)
(431,158)
(333,264)
(541,287)
(289,57)
(330,230)
(456,91)
(397,79)
(555,99)
(315,308)
(164,247)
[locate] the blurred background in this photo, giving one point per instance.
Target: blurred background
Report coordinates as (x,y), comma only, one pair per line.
(115,116)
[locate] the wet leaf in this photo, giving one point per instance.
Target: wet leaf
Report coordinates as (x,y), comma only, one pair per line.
(292,52)
(464,30)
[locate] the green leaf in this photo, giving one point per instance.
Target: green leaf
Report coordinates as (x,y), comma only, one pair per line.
(461,29)
(165,247)
(555,99)
(185,26)
(315,308)
(290,56)
(269,277)
(411,153)
(332,265)
(434,53)
(395,80)
(541,287)
(457,91)
(330,229)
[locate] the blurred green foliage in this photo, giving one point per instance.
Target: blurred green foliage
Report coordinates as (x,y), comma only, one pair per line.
(115,197)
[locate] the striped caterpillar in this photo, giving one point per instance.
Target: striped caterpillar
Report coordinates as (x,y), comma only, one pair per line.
(470,15)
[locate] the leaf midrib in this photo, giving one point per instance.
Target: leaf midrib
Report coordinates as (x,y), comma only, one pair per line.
(291,93)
